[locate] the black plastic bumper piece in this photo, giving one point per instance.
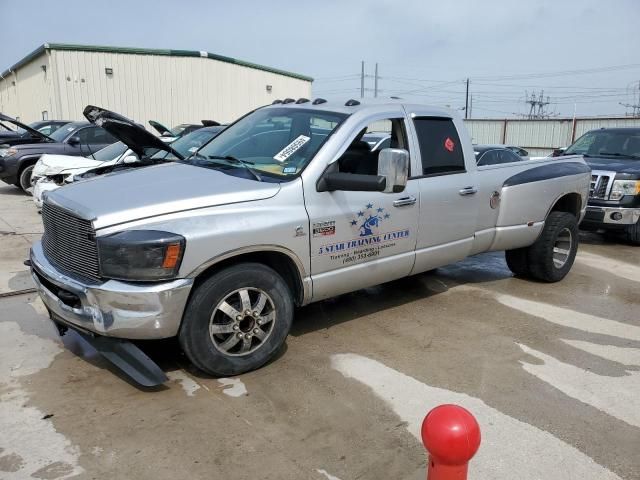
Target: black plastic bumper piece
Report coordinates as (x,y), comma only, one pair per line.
(123,354)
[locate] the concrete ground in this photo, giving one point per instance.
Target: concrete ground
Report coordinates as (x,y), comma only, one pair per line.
(552,373)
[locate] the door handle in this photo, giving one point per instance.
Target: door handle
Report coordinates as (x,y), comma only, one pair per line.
(404,201)
(468,191)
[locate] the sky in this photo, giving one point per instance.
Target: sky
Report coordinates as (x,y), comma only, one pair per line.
(582,53)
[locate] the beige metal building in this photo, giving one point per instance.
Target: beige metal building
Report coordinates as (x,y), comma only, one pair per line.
(56,81)
(540,137)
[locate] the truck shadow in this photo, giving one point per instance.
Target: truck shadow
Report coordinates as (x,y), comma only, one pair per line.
(482,268)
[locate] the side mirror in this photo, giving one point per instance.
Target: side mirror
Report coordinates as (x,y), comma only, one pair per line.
(558,152)
(73,141)
(351,182)
(393,165)
(130,159)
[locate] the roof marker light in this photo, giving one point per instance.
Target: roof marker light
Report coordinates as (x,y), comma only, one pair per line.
(318,101)
(302,100)
(351,103)
(276,102)
(288,100)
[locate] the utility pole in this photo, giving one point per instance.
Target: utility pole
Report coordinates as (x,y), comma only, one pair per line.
(362,81)
(470,105)
(466,102)
(375,83)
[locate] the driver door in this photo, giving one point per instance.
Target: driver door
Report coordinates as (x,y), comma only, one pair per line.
(359,239)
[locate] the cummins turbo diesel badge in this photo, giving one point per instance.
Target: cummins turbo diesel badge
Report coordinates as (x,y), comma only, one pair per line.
(292,148)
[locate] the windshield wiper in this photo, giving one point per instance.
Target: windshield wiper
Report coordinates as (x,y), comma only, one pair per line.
(237,161)
(611,154)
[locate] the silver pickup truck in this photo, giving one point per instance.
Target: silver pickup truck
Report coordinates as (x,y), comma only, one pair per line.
(285,207)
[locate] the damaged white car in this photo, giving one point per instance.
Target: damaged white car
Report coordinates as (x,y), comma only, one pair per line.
(54,171)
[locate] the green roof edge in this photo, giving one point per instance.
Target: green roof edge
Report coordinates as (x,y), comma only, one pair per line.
(149,51)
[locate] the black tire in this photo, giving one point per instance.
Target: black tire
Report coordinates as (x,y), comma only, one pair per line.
(517,261)
(198,343)
(24,180)
(632,233)
(540,255)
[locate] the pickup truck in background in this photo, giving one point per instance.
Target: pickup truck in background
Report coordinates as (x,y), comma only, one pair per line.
(614,196)
(285,207)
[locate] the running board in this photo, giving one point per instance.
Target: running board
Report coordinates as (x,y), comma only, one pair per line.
(128,358)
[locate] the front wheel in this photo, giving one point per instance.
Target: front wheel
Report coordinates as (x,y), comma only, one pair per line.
(632,233)
(24,180)
(237,320)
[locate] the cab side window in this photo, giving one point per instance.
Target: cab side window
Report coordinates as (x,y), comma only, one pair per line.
(440,148)
(359,158)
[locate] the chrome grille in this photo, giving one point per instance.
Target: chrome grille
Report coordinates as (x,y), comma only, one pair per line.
(69,242)
(599,186)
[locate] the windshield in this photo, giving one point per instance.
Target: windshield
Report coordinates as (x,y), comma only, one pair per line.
(189,144)
(607,142)
(278,142)
(110,152)
(62,133)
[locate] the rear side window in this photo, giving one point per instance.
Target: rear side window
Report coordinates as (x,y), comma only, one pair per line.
(440,147)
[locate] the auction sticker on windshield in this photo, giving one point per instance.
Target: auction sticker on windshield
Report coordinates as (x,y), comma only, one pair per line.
(292,148)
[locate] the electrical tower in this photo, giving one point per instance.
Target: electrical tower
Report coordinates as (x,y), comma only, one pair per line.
(635,106)
(537,105)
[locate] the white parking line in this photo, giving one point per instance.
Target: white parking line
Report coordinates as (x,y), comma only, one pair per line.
(619,268)
(623,355)
(616,396)
(570,318)
(508,445)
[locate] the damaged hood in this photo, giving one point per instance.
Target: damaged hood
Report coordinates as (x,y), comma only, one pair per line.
(127,131)
(137,194)
(57,164)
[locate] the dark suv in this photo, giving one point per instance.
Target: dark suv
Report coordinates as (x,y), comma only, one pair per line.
(614,197)
(75,139)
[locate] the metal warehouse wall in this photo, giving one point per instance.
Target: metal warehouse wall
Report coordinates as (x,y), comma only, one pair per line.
(27,93)
(540,137)
(170,89)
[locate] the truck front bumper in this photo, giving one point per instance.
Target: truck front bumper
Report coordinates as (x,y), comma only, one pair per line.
(611,216)
(113,308)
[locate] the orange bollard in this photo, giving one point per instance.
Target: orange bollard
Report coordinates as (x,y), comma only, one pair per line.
(451,435)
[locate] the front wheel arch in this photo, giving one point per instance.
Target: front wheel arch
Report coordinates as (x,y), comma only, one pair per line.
(281,262)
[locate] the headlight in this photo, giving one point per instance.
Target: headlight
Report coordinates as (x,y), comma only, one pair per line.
(141,255)
(624,187)
(7,152)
